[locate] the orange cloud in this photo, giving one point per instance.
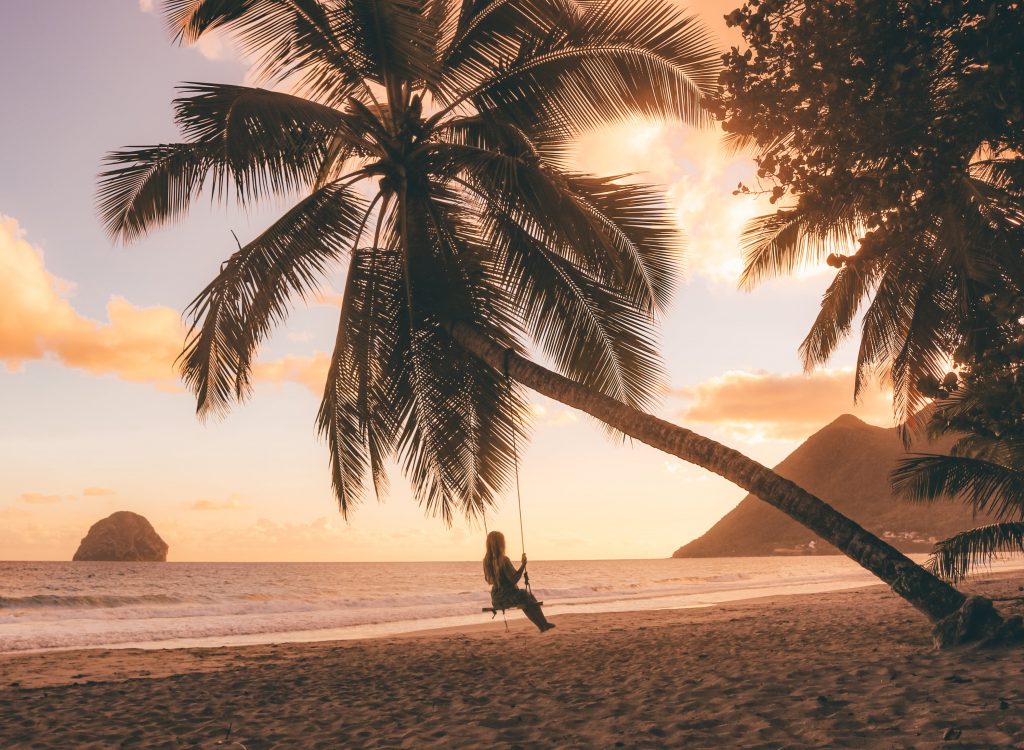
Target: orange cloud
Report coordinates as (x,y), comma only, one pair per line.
(784,406)
(37,498)
(33,305)
(308,371)
(98,492)
(137,344)
(230,504)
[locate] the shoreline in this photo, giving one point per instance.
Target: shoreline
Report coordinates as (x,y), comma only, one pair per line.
(10,660)
(853,669)
(488,626)
(233,618)
(462,623)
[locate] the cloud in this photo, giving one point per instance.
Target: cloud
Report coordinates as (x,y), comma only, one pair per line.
(33,300)
(552,414)
(218,47)
(213,45)
(37,498)
(786,406)
(699,176)
(328,298)
(98,492)
(232,503)
(137,344)
(309,371)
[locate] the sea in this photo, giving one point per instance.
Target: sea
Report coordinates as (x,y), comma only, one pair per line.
(48,606)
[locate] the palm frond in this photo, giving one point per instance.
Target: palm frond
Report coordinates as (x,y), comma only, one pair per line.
(839,306)
(781,243)
(986,486)
(957,557)
(357,415)
(253,292)
(146,187)
(623,235)
(488,34)
(592,332)
(620,60)
(397,38)
(267,142)
(255,141)
(910,297)
(457,445)
(313,43)
(641,226)
(924,346)
(735,144)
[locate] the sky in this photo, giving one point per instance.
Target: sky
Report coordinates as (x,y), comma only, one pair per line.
(93,418)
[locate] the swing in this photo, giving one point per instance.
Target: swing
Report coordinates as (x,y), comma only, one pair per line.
(519,502)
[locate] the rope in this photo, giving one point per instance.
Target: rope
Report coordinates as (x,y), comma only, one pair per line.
(515,464)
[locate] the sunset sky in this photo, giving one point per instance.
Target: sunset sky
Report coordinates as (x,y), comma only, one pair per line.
(93,418)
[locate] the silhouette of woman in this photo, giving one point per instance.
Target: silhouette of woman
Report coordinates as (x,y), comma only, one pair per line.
(503,577)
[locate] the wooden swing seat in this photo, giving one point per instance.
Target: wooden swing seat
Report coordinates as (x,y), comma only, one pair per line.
(495,610)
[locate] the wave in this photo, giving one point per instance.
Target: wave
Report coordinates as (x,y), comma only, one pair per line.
(55,601)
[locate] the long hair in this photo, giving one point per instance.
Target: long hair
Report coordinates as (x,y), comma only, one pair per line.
(495,557)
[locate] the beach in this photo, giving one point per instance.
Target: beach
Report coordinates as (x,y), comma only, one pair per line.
(848,669)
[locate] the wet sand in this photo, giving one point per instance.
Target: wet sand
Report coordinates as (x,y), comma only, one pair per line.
(851,669)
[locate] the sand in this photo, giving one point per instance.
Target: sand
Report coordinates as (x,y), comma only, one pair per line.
(853,669)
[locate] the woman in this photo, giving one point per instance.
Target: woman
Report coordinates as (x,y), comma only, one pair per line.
(503,577)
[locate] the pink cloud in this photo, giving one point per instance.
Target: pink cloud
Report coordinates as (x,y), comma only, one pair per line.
(98,492)
(781,405)
(37,498)
(231,503)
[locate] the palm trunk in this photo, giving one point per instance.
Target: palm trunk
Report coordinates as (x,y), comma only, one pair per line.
(932,596)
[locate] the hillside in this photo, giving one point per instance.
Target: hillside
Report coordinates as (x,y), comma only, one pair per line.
(847,464)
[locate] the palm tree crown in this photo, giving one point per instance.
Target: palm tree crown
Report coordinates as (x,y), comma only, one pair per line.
(426,143)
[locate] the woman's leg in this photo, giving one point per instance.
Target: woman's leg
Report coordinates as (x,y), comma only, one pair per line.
(533,611)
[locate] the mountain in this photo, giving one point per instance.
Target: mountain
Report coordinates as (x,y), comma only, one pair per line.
(122,537)
(846,464)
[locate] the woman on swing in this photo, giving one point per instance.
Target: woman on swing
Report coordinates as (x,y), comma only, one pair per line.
(503,577)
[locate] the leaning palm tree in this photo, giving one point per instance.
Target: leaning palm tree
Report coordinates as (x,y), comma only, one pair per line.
(427,143)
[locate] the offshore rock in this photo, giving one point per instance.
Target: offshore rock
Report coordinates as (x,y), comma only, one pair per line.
(122,537)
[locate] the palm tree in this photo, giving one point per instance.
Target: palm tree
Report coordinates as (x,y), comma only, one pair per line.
(427,142)
(920,289)
(886,129)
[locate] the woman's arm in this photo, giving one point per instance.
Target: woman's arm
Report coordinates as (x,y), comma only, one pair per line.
(510,573)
